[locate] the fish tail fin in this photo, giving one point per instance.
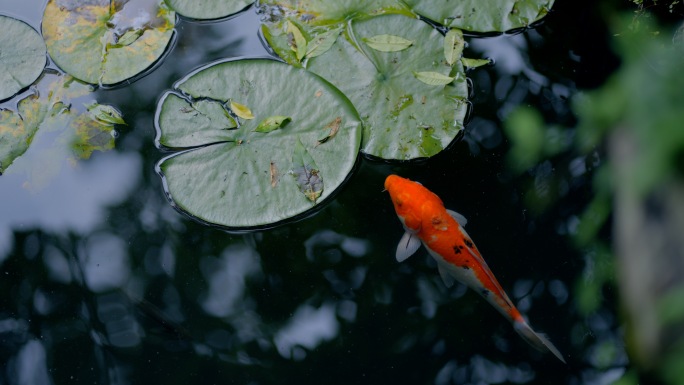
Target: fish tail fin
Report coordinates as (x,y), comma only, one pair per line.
(537,340)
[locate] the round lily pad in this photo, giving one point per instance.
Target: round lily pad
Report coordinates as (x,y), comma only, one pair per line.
(393,68)
(483,15)
(22,56)
(260,141)
(105,42)
(208,9)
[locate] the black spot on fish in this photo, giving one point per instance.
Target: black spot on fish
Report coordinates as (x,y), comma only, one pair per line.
(457,250)
(465,267)
(468,242)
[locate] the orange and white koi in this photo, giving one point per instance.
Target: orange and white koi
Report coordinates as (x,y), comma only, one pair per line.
(441,231)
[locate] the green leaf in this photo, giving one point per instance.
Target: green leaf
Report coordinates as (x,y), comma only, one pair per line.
(272,123)
(433,78)
(388,43)
(207,9)
(306,173)
(297,41)
(403,118)
(323,42)
(105,113)
(482,15)
(453,45)
(22,56)
(237,178)
(102,44)
(241,110)
(474,63)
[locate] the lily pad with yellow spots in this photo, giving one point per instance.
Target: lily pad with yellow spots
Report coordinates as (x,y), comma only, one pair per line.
(106,42)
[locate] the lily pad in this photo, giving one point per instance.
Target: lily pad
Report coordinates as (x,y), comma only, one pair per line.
(405,116)
(22,56)
(482,15)
(106,42)
(240,177)
(324,12)
(208,9)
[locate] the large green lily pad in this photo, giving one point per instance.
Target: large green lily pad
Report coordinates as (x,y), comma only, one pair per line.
(22,56)
(267,141)
(482,15)
(412,102)
(208,9)
(106,42)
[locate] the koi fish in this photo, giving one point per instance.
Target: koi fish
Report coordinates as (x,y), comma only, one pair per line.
(441,231)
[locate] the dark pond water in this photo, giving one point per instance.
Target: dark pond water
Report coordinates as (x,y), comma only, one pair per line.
(102,281)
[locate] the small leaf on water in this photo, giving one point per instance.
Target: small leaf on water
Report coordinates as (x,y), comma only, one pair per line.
(273,123)
(322,43)
(104,113)
(453,45)
(306,173)
(388,43)
(433,78)
(334,126)
(298,41)
(474,63)
(241,110)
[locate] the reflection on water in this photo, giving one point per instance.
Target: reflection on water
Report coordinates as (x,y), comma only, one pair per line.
(102,282)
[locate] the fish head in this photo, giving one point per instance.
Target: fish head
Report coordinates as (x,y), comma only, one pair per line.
(406,203)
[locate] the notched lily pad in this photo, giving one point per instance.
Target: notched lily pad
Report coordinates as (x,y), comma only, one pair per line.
(106,42)
(239,178)
(22,56)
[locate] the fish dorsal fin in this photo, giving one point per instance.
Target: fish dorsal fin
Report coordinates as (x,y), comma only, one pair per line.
(408,245)
(446,277)
(458,217)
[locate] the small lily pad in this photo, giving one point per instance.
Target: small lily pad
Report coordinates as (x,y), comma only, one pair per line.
(22,56)
(208,9)
(237,178)
(105,113)
(105,42)
(388,43)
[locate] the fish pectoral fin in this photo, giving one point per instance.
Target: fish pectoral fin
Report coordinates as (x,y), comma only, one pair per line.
(458,217)
(446,277)
(407,246)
